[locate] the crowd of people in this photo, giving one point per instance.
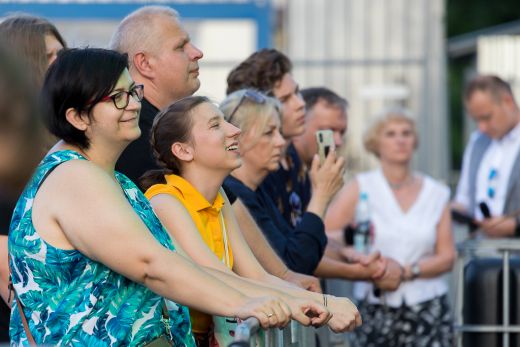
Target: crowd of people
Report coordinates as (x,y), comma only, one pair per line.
(156,217)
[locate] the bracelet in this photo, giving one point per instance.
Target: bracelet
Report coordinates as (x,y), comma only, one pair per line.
(325,300)
(402,276)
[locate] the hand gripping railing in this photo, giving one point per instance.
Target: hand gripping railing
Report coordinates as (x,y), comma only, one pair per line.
(474,248)
(244,331)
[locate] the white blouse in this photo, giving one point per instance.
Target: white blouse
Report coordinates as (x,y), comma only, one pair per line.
(405,237)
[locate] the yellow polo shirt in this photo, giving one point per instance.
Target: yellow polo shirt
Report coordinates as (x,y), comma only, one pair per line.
(207,220)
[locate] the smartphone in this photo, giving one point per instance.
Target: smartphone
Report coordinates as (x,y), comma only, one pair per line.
(325,141)
(464,218)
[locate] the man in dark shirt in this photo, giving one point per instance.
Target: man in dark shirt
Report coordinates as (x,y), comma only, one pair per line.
(324,110)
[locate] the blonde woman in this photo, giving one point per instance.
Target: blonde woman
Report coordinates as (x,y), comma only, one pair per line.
(411,219)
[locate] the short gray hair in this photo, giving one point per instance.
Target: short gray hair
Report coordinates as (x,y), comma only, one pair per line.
(137,32)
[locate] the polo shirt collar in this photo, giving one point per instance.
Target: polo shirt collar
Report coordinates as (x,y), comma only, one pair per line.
(192,195)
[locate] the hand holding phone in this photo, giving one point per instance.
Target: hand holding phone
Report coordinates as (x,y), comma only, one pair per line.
(325,141)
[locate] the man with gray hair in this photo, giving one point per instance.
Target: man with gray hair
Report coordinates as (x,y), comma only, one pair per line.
(163,59)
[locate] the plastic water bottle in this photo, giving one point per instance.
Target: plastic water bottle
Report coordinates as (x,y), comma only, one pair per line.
(362,234)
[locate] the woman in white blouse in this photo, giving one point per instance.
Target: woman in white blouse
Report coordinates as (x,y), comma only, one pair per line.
(412,226)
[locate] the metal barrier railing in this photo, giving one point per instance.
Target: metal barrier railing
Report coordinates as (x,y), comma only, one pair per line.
(248,333)
(502,248)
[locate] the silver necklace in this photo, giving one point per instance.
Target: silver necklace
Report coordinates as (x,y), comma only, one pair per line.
(404,183)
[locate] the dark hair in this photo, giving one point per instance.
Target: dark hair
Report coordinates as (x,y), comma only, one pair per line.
(312,96)
(79,79)
(19,116)
(487,83)
(261,71)
(26,35)
(173,124)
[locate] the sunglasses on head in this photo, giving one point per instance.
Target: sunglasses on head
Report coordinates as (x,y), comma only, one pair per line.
(251,95)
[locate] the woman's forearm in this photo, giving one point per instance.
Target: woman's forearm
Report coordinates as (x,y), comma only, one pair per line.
(261,249)
(332,268)
(432,266)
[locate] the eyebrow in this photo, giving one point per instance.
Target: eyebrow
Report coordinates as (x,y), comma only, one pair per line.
(214,118)
(294,91)
(122,89)
(184,40)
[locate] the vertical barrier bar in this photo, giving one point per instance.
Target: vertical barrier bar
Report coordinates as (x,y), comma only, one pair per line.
(460,294)
(505,299)
(294,333)
(287,336)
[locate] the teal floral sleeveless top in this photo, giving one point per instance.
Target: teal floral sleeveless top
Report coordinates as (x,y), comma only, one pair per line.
(71,300)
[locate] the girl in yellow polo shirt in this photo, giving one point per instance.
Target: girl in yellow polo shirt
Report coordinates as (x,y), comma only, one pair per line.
(197,149)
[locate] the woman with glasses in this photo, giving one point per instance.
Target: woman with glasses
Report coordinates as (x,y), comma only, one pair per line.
(197,149)
(412,226)
(90,262)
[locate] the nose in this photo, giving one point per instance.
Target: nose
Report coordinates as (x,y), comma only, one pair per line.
(279,141)
(232,131)
(338,139)
(195,53)
(133,103)
(299,102)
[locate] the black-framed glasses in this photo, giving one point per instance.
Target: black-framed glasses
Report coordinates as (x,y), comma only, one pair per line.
(251,95)
(122,98)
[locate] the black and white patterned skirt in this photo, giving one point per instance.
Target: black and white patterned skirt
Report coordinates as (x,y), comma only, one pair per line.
(427,324)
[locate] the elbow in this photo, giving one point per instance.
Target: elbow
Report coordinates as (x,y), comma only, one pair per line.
(449,261)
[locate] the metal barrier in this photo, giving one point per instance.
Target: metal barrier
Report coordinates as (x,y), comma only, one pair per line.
(502,248)
(249,333)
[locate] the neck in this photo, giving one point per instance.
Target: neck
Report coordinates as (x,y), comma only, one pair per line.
(155,95)
(283,160)
(396,174)
(251,178)
(303,151)
(103,155)
(206,183)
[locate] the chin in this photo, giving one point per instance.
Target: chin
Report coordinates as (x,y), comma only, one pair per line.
(274,167)
(135,135)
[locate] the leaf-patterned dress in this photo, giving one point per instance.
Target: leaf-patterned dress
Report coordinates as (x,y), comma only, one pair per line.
(69,299)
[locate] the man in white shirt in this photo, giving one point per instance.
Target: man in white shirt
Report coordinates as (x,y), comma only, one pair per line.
(491,166)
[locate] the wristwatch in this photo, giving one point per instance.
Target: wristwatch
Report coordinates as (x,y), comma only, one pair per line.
(415,270)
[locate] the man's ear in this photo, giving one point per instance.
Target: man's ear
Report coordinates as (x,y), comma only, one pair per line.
(141,62)
(79,120)
(182,151)
(508,100)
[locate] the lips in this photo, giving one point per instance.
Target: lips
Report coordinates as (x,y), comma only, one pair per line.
(232,147)
(129,120)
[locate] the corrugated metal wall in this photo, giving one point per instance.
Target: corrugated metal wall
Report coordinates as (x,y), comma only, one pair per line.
(500,55)
(376,53)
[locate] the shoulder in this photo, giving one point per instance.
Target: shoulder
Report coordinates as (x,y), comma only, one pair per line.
(437,187)
(238,188)
(161,188)
(364,179)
